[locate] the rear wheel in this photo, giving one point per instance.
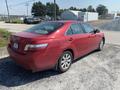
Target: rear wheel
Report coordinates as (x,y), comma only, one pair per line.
(101,45)
(65,61)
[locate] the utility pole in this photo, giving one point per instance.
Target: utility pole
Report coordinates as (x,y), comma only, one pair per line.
(54,9)
(27,4)
(7,10)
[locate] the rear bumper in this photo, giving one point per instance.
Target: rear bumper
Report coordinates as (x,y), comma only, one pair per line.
(35,61)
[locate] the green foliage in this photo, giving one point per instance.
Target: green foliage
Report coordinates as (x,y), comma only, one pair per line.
(38,9)
(90,9)
(74,8)
(102,10)
(83,10)
(50,9)
(17,21)
(4,35)
(3,42)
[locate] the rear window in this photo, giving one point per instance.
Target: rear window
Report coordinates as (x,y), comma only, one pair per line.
(45,27)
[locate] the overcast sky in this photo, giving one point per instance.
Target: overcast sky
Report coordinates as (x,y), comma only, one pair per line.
(17,7)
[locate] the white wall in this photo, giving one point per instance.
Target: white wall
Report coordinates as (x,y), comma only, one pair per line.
(90,16)
(68,15)
(78,15)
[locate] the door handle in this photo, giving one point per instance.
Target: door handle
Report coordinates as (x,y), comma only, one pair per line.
(70,39)
(92,35)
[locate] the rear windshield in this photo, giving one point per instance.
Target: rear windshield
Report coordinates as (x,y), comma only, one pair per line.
(45,27)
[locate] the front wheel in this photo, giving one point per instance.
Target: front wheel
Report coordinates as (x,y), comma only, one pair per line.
(101,45)
(65,61)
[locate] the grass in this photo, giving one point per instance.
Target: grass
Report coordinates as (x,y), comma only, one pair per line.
(4,36)
(15,21)
(3,42)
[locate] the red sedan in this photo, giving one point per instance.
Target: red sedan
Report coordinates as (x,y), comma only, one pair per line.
(54,44)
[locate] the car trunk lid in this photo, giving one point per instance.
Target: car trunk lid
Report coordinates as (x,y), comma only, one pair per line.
(18,41)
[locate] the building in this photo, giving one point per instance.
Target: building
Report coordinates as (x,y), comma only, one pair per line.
(116,15)
(78,15)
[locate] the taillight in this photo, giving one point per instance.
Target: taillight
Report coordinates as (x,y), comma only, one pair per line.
(10,39)
(35,46)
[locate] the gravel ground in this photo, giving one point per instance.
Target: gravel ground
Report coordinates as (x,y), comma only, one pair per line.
(3,52)
(113,25)
(112,37)
(96,71)
(111,29)
(99,22)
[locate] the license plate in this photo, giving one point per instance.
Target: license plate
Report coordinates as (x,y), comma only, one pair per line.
(15,45)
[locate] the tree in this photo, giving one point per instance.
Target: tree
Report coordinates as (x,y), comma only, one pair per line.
(90,9)
(38,9)
(61,11)
(74,8)
(102,10)
(83,10)
(50,9)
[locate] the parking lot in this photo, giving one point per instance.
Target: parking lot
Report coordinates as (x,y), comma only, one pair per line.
(95,71)
(14,27)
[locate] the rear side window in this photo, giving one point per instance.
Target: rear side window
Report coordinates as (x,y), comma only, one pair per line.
(88,28)
(69,32)
(77,29)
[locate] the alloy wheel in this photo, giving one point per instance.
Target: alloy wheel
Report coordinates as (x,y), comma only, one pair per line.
(65,61)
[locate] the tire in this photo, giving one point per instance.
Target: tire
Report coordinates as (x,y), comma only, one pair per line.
(101,45)
(65,61)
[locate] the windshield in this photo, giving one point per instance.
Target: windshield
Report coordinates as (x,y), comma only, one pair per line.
(45,27)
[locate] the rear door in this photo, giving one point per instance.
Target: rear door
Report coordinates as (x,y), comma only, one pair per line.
(76,35)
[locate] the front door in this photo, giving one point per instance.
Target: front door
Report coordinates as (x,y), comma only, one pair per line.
(92,36)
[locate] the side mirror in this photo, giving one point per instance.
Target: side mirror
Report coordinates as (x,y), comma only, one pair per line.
(96,31)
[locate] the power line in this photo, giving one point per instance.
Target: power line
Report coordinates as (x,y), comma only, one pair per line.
(27,5)
(22,3)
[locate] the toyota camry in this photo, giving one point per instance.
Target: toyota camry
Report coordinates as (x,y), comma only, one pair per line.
(54,44)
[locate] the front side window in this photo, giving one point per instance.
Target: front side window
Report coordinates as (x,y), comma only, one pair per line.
(45,27)
(88,28)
